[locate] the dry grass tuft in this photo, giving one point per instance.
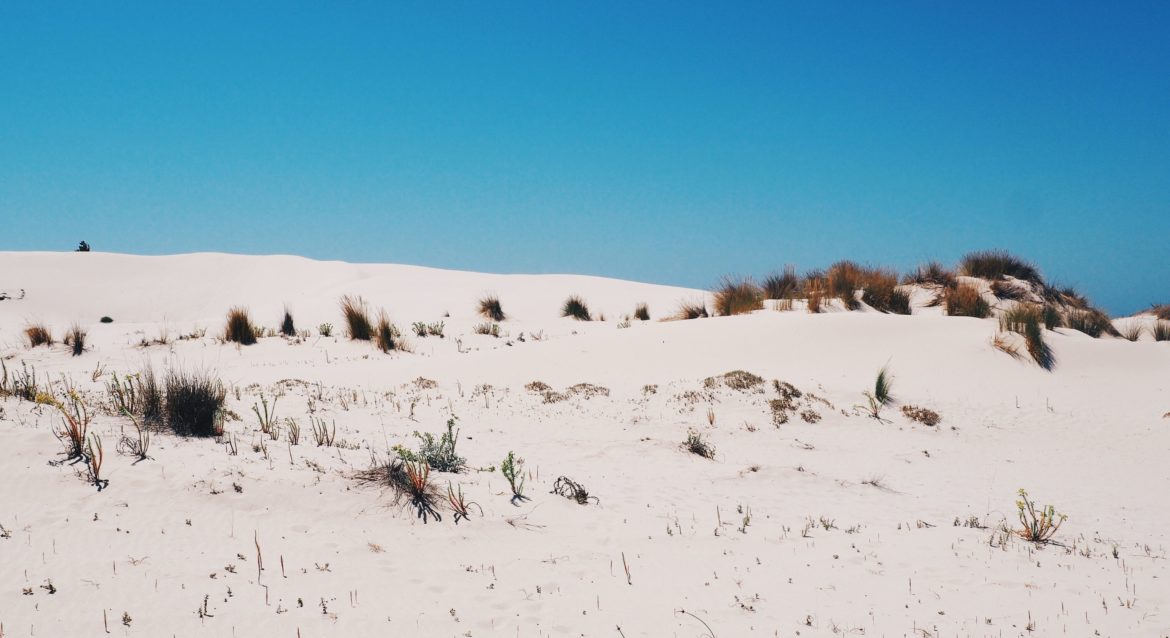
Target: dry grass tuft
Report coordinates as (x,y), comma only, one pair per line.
(642,312)
(881,292)
(75,339)
(490,308)
(966,301)
(1161,330)
(737,297)
(932,274)
(692,310)
(1027,320)
(386,335)
(783,285)
(576,308)
(924,416)
(287,328)
(1092,322)
(1132,330)
(239,327)
(814,302)
(194,404)
(696,444)
(996,264)
(357,318)
(843,280)
(38,335)
(410,483)
(1161,311)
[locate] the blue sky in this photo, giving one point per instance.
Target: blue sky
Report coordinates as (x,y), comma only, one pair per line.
(672,142)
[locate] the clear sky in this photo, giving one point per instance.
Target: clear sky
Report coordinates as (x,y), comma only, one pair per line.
(671,142)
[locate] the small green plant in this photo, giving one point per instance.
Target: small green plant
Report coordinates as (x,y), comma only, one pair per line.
(513,470)
(325,330)
(419,328)
(576,308)
(696,444)
(436,329)
(881,395)
(266,416)
(1039,525)
(439,454)
(489,328)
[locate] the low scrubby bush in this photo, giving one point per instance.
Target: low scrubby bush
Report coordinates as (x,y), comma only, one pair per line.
(439,454)
(696,444)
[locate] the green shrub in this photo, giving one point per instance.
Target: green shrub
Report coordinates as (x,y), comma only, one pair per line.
(512,468)
(439,454)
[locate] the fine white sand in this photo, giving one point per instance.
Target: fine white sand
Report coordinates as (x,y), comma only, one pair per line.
(857,527)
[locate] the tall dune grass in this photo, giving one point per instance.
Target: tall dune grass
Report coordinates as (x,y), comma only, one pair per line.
(576,308)
(783,285)
(490,308)
(996,264)
(239,327)
(1028,320)
(357,318)
(38,334)
(737,297)
(966,301)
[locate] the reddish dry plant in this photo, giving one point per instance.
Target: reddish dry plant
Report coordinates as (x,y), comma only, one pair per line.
(38,335)
(75,426)
(460,505)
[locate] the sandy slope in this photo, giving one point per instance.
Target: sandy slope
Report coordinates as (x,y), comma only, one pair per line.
(173,531)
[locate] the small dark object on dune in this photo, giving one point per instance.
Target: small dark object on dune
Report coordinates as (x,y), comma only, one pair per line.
(568,488)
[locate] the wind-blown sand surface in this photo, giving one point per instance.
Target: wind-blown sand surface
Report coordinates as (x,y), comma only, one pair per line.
(853,526)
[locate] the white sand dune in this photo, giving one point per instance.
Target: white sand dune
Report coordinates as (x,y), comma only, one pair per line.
(857,527)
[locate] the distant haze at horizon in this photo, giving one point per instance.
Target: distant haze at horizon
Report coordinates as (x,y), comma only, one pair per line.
(653,142)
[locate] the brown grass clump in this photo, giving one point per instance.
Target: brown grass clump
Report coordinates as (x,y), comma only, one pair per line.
(924,416)
(881,292)
(696,444)
(966,301)
(737,297)
(410,482)
(1092,322)
(1161,330)
(1027,320)
(490,308)
(642,312)
(692,310)
(1161,311)
(239,327)
(1004,289)
(814,302)
(38,335)
(287,328)
(1132,331)
(386,335)
(357,318)
(783,285)
(932,274)
(194,404)
(996,264)
(576,308)
(740,380)
(75,339)
(843,280)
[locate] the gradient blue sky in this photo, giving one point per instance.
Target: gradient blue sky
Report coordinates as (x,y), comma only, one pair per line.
(670,142)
